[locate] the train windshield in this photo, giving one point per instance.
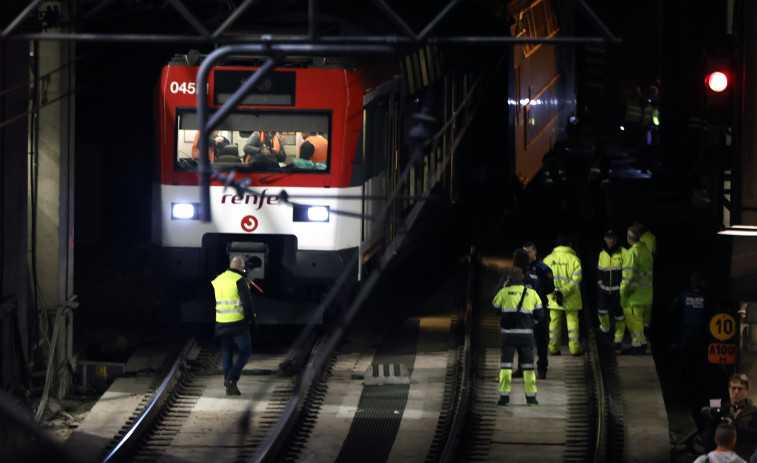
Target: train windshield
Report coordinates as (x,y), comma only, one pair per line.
(258,141)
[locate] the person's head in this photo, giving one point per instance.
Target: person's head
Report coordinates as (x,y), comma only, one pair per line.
(516,275)
(698,281)
(520,258)
(564,240)
(237,263)
(725,436)
(738,388)
(633,234)
(639,224)
(530,248)
(611,238)
(306,150)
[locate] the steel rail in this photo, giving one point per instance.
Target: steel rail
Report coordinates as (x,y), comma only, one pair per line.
(126,444)
(599,450)
(598,447)
(462,398)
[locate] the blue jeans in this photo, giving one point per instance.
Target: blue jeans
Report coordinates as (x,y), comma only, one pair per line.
(244,344)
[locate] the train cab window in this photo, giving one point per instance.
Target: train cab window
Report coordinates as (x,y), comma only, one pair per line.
(258,141)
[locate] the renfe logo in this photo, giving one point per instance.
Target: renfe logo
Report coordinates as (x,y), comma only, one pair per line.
(251,199)
(249,223)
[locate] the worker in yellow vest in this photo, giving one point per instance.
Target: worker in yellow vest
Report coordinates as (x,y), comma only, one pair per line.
(609,275)
(636,288)
(566,299)
(234,319)
(648,238)
(520,309)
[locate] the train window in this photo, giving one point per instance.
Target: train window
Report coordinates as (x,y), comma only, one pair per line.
(277,88)
(258,141)
(377,120)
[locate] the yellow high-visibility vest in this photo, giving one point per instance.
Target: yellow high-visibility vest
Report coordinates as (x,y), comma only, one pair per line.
(229,307)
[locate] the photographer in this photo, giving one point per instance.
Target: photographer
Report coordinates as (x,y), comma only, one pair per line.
(738,411)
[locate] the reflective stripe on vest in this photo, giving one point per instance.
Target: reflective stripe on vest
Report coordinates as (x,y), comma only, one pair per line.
(610,269)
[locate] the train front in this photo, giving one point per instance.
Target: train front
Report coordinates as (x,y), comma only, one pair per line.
(293,140)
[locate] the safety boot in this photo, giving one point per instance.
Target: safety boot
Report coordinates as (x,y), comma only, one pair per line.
(233,388)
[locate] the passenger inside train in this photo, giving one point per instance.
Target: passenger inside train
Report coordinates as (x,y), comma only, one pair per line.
(216,143)
(312,151)
(264,149)
(280,144)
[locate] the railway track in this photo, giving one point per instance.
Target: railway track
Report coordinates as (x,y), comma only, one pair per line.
(432,377)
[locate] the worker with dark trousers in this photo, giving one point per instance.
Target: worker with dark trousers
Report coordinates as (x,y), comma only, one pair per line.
(520,309)
(234,319)
(609,275)
(537,276)
(543,282)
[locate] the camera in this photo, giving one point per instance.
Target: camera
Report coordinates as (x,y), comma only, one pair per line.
(713,412)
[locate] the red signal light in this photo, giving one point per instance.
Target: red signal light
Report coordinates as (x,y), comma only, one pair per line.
(716,81)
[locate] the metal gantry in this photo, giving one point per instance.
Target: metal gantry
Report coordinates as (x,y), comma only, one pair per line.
(42,15)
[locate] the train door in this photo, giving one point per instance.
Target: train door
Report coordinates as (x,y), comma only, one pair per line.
(379,165)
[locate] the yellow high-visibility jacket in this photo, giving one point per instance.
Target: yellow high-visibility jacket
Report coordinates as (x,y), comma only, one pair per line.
(566,270)
(636,286)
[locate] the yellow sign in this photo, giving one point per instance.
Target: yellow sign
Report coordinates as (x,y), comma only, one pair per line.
(723,326)
(722,353)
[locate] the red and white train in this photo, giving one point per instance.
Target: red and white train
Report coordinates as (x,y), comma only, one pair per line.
(295,251)
(363,117)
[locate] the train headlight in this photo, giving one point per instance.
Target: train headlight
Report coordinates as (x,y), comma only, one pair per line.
(318,214)
(307,213)
(185,211)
